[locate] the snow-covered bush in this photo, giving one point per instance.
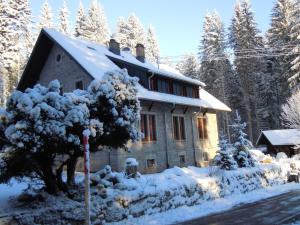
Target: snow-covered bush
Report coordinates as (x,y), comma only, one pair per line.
(281,155)
(241,145)
(224,158)
(131,168)
(42,129)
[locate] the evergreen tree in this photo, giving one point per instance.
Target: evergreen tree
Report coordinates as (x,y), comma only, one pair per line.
(94,25)
(216,70)
(152,48)
(224,158)
(189,66)
(294,78)
(79,21)
(241,144)
(63,17)
(279,67)
(46,17)
(130,32)
(244,36)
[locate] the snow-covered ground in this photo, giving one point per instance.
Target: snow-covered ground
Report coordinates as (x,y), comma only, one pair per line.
(187,213)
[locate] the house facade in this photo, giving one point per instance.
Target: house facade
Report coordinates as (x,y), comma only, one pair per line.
(178,117)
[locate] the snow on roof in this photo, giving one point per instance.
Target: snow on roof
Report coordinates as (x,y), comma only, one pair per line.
(206,100)
(283,137)
(93,58)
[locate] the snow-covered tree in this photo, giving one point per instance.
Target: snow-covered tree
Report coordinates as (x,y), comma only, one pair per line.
(79,21)
(291,111)
(243,37)
(40,126)
(189,66)
(64,18)
(94,25)
(130,32)
(46,17)
(152,48)
(224,158)
(294,78)
(241,144)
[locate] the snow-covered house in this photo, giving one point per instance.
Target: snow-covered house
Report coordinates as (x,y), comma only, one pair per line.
(178,116)
(285,140)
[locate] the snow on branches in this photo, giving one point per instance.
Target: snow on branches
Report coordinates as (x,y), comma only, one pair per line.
(291,111)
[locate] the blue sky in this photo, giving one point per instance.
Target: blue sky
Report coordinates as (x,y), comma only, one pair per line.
(178,23)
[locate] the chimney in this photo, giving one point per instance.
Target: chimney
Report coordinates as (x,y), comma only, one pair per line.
(114,46)
(140,52)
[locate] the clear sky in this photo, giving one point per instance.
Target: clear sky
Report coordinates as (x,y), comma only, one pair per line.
(178,23)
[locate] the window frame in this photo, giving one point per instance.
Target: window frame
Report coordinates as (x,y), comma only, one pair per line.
(77,81)
(148,137)
(202,130)
(177,128)
(154,164)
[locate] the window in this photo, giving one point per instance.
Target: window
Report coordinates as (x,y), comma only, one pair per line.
(195,92)
(202,128)
(170,86)
(182,159)
(153,84)
(148,127)
(58,58)
(183,91)
(205,156)
(178,128)
(79,85)
(151,163)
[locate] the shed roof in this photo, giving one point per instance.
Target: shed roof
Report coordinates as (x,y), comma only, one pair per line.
(280,137)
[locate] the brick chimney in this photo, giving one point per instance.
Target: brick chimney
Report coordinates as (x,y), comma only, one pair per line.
(114,46)
(140,52)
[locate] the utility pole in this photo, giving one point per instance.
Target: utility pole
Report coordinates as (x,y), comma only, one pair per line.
(87,195)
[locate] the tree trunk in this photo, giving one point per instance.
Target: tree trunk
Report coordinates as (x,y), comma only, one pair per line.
(50,180)
(62,186)
(71,167)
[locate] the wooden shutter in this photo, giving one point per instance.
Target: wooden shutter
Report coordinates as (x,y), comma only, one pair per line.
(144,127)
(175,128)
(182,128)
(152,128)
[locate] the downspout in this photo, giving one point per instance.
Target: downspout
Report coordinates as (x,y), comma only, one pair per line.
(166,141)
(149,78)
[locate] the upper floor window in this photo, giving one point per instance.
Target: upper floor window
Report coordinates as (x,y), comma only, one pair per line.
(202,128)
(183,91)
(79,85)
(153,84)
(195,92)
(148,127)
(178,128)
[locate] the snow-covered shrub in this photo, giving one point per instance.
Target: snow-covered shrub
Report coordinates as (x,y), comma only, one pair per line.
(42,129)
(241,145)
(281,155)
(224,158)
(131,168)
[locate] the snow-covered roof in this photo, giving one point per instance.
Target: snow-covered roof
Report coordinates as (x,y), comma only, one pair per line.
(282,137)
(94,58)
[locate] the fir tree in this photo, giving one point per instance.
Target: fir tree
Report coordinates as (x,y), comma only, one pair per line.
(79,21)
(45,17)
(224,158)
(152,48)
(95,24)
(244,35)
(189,66)
(130,32)
(241,144)
(294,78)
(63,17)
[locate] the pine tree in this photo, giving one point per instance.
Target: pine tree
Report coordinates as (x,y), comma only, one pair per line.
(294,78)
(63,17)
(79,21)
(216,70)
(152,48)
(130,32)
(224,158)
(94,25)
(241,144)
(279,69)
(244,35)
(45,17)
(189,66)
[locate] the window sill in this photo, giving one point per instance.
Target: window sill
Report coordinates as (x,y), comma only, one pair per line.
(148,142)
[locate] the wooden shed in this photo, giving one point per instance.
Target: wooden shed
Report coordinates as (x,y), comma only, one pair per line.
(285,140)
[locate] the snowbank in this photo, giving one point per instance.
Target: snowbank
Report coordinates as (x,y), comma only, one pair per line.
(156,193)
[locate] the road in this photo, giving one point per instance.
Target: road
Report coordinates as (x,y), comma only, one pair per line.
(281,209)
